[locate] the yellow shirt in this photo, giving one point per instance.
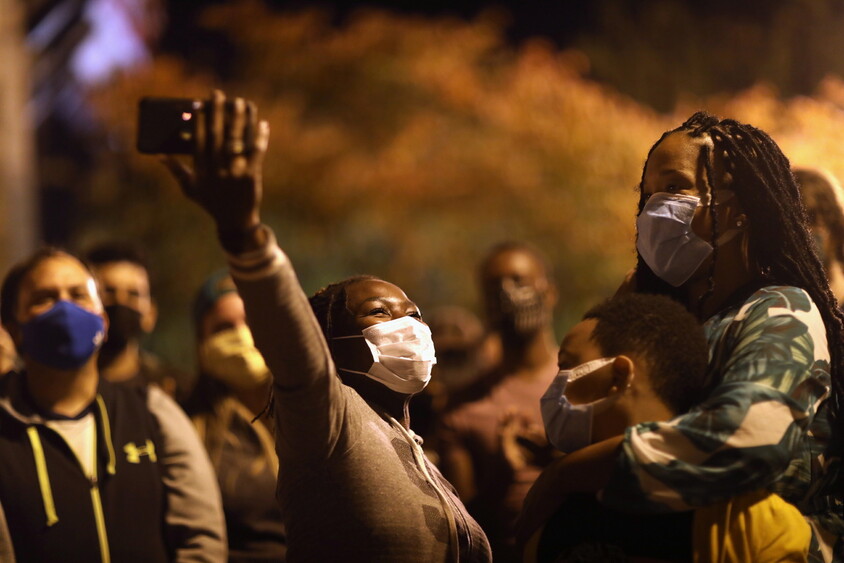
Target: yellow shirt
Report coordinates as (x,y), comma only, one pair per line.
(759,527)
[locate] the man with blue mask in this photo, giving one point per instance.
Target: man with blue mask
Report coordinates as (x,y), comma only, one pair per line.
(91,470)
(633,359)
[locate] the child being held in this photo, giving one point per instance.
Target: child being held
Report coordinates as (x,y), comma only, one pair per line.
(632,360)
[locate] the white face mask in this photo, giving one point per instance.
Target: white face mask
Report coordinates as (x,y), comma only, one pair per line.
(568,426)
(402,354)
(666,241)
(230,356)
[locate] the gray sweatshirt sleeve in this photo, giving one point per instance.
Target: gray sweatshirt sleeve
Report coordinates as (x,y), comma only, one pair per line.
(7,550)
(280,317)
(195,523)
(309,402)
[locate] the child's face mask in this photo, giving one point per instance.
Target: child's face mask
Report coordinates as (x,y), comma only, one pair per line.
(568,426)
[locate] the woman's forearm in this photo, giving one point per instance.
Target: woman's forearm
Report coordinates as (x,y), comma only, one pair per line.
(586,470)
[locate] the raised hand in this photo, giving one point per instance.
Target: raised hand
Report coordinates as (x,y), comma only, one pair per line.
(225,178)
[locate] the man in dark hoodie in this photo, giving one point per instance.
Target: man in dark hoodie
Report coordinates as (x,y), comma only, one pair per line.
(91,470)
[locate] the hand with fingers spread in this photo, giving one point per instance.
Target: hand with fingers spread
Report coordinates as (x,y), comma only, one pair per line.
(225,179)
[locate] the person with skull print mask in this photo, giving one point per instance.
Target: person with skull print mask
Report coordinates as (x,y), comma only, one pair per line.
(477,428)
(824,199)
(123,277)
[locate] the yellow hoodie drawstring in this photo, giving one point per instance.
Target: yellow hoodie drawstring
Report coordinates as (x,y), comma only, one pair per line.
(41,462)
(43,477)
(110,467)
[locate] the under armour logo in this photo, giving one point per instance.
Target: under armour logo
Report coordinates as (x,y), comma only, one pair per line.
(134,453)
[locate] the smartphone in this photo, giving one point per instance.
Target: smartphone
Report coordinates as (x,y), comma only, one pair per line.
(167,125)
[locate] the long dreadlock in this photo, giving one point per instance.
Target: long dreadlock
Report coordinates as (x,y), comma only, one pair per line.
(780,242)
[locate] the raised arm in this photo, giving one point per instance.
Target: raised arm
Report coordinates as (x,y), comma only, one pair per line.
(225,176)
(225,179)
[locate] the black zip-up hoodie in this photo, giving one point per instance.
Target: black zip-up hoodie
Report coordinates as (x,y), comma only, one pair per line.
(53,510)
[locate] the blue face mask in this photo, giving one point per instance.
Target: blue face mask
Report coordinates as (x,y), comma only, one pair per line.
(64,337)
(568,426)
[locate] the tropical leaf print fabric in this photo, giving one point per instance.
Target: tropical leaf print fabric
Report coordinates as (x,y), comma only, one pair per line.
(764,425)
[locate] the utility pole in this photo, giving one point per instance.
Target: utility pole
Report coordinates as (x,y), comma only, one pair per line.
(18,199)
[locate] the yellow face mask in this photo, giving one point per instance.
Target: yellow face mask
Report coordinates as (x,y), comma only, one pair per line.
(230,357)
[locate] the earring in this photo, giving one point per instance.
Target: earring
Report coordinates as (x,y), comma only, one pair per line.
(739,223)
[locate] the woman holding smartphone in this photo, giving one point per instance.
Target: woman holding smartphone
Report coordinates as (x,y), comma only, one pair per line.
(353,482)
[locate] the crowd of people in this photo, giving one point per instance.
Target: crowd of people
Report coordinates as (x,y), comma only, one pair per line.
(692,416)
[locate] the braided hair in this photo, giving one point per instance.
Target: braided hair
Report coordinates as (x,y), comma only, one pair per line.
(330,302)
(780,243)
(327,304)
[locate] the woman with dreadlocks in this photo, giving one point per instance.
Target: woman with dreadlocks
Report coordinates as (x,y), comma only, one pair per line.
(722,229)
(353,482)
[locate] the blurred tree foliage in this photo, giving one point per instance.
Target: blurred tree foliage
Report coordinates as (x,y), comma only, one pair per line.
(406,146)
(659,50)
(400,146)
(809,129)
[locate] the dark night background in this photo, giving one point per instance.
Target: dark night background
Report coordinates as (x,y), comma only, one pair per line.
(703,46)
